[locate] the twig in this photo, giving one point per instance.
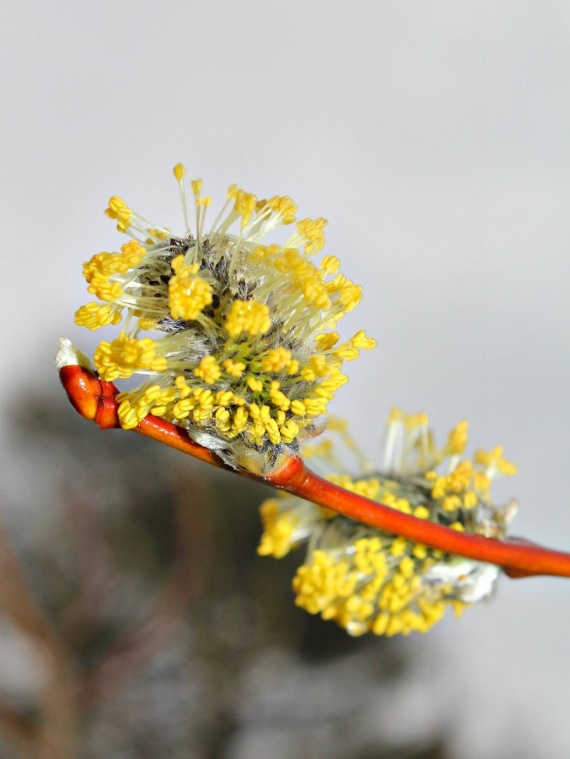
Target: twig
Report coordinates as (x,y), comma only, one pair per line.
(55,729)
(94,399)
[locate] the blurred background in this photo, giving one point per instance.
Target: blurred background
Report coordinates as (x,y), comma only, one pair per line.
(434,137)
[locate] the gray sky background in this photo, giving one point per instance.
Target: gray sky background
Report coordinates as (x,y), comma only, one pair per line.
(434,137)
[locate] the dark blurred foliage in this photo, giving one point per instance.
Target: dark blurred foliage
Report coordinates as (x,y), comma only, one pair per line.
(172,637)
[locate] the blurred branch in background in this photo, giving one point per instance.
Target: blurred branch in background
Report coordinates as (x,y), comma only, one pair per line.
(154,629)
(50,735)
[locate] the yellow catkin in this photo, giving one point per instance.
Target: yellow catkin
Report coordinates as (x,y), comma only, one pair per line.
(231,313)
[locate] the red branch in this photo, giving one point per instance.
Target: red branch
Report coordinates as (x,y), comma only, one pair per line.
(95,399)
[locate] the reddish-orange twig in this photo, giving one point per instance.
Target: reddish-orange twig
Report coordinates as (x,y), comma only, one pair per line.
(94,399)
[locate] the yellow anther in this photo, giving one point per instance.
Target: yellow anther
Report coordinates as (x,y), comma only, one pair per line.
(240,419)
(224,397)
(121,358)
(333,383)
(208,370)
(493,460)
(127,415)
(284,206)
(292,367)
(248,316)
(159,234)
(272,431)
(254,411)
(457,439)
(305,276)
(361,341)
(350,297)
(205,397)
(419,551)
(181,386)
(330,264)
(196,186)
(94,315)
(234,369)
(182,408)
(318,364)
(346,352)
(298,408)
(148,324)
(403,505)
(289,431)
(326,341)
(279,399)
(244,205)
(188,293)
(398,581)
(276,359)
(222,414)
(413,421)
(395,415)
(254,384)
(398,547)
(308,375)
(451,503)
(315,406)
(132,253)
(98,271)
(179,171)
(312,231)
(119,210)
(278,530)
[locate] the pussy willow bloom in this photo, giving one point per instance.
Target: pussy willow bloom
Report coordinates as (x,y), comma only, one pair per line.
(368,580)
(234,335)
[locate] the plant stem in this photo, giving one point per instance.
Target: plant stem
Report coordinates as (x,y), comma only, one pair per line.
(95,400)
